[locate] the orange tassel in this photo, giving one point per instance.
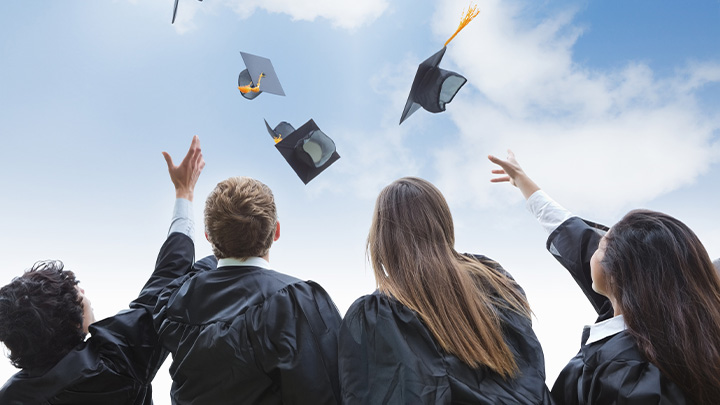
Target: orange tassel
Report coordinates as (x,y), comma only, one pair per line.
(250,88)
(468,16)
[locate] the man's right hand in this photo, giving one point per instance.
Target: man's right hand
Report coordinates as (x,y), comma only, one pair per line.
(186,175)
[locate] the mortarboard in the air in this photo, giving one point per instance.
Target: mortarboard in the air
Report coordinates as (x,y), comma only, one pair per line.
(433,87)
(259,77)
(306,149)
(175,11)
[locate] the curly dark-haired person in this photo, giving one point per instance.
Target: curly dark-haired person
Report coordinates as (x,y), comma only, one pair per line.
(45,318)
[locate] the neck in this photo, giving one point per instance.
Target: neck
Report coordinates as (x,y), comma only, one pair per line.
(616,308)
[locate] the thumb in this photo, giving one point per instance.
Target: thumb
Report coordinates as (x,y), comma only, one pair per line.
(168,160)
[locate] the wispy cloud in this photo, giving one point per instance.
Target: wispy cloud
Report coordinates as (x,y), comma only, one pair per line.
(601,140)
(345,14)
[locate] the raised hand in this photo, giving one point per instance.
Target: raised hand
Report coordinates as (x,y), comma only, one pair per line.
(186,175)
(511,172)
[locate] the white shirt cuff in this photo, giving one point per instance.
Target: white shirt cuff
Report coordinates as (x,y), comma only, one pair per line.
(182,218)
(549,213)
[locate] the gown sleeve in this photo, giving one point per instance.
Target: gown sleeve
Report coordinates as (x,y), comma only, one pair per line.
(129,339)
(174,260)
(294,335)
(386,357)
(573,244)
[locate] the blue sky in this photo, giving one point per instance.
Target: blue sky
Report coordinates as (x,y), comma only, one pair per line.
(609,106)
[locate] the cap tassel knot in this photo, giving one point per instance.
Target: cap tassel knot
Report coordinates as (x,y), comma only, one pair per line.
(250,88)
(468,16)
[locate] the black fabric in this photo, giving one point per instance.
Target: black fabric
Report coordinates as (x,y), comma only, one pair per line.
(248,335)
(388,356)
(119,360)
(612,370)
(436,91)
(290,143)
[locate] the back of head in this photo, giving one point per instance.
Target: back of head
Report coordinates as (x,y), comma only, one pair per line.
(240,218)
(411,247)
(41,316)
(669,293)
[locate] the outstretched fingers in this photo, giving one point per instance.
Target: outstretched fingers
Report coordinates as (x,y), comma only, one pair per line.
(186,175)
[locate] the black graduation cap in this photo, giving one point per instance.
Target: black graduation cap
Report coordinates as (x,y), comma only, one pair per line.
(433,87)
(175,11)
(307,150)
(259,77)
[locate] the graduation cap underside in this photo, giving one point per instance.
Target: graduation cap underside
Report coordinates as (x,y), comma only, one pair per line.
(432,87)
(308,150)
(259,77)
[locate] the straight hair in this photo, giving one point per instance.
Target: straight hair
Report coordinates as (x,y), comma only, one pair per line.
(411,248)
(669,293)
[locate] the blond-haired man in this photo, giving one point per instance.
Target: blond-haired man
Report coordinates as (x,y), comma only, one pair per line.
(242,332)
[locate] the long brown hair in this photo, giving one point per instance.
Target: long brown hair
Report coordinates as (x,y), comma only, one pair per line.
(411,248)
(669,294)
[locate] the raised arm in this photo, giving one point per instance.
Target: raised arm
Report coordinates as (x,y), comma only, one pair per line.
(549,213)
(572,240)
(178,253)
(511,172)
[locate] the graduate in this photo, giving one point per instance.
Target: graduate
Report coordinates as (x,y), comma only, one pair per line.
(657,294)
(243,333)
(45,318)
(442,327)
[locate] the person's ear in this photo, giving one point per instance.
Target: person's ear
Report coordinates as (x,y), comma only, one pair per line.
(206,237)
(277,231)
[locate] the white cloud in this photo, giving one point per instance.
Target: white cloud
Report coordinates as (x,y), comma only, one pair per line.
(600,140)
(344,14)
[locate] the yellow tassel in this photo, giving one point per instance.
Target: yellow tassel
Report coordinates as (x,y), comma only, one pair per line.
(468,16)
(277,138)
(250,88)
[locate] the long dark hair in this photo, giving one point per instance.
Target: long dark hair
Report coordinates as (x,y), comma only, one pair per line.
(669,294)
(411,248)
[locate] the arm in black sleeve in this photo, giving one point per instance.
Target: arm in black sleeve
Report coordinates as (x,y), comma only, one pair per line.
(174,260)
(573,244)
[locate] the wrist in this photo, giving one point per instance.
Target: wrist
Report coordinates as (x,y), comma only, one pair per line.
(527,186)
(184,193)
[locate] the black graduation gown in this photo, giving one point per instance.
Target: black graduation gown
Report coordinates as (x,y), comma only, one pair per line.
(388,356)
(248,335)
(611,370)
(119,360)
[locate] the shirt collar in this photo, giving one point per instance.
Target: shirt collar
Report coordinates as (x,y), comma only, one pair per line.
(250,261)
(606,328)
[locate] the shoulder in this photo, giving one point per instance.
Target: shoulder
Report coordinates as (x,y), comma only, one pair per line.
(614,368)
(490,263)
(301,301)
(378,311)
(17,392)
(379,304)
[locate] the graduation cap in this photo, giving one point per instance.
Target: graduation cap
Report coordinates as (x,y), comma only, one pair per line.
(175,11)
(307,149)
(434,87)
(259,77)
